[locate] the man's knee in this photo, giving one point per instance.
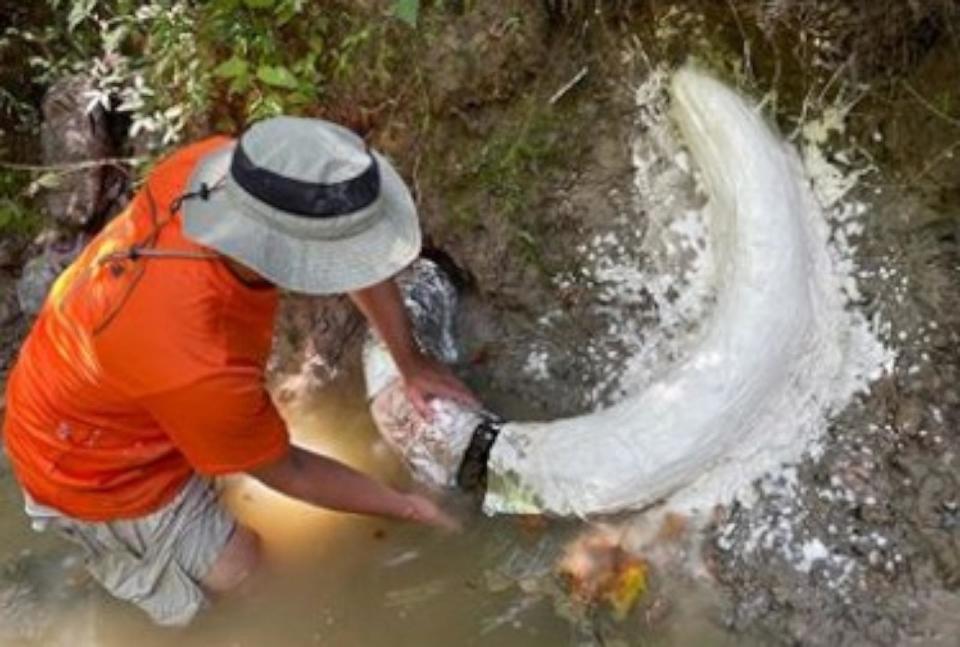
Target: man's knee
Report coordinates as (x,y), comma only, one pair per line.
(238,561)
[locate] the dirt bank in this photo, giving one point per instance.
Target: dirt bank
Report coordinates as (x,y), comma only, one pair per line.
(514,127)
(871,551)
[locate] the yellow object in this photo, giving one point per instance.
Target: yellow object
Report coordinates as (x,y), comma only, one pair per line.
(628,587)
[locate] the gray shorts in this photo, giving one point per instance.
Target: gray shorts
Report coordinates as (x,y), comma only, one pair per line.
(157,561)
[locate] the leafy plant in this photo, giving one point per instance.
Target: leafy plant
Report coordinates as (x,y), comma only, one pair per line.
(170,63)
(407,10)
(16,219)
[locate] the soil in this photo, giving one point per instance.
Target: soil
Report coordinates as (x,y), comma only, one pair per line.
(512,176)
(883,496)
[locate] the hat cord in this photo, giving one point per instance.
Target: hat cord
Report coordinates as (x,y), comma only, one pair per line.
(146,249)
(203,193)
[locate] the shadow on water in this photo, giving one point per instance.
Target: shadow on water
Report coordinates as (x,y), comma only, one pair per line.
(344,580)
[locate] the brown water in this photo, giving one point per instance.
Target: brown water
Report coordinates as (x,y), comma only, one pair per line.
(344,580)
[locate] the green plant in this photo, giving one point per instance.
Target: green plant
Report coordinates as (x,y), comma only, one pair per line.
(15,110)
(510,166)
(508,161)
(16,219)
(407,10)
(284,54)
(265,66)
(173,63)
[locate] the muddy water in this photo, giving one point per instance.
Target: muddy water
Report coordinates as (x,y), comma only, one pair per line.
(342,580)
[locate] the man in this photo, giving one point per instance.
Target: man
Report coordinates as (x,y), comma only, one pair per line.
(143,376)
(451,447)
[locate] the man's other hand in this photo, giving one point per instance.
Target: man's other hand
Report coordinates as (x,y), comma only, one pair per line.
(422,510)
(426,379)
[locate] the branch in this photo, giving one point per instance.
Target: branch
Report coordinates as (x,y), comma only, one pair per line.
(73,167)
(929,106)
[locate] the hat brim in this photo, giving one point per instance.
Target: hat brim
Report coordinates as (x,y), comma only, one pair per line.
(301,263)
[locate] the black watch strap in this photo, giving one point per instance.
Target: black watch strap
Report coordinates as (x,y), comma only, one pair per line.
(472,475)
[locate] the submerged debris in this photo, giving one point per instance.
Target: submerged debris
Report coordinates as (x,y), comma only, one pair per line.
(597,570)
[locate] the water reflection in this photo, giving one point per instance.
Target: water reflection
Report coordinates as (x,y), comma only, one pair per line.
(340,579)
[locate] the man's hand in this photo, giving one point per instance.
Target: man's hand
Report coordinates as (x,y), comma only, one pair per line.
(425,379)
(423,510)
(327,483)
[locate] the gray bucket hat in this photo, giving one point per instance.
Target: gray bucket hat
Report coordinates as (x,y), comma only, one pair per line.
(306,204)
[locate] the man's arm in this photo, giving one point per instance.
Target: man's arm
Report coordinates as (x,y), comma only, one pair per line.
(424,377)
(327,483)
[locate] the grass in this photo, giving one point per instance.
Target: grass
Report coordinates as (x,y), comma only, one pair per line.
(17,220)
(16,217)
(505,175)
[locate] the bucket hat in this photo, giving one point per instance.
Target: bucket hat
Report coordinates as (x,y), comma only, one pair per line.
(306,204)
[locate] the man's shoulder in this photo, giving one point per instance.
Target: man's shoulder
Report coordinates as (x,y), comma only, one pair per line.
(188,155)
(170,174)
(168,330)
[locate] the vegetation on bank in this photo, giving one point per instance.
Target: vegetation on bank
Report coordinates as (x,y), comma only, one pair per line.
(170,70)
(16,217)
(168,64)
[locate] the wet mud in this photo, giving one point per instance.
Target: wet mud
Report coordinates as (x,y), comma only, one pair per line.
(861,546)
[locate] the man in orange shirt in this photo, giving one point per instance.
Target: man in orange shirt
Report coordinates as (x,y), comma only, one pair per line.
(143,376)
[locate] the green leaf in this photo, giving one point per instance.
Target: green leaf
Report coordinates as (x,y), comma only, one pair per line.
(301,98)
(113,38)
(231,68)
(287,10)
(407,10)
(239,85)
(16,220)
(317,44)
(268,106)
(259,4)
(277,76)
(48,180)
(80,10)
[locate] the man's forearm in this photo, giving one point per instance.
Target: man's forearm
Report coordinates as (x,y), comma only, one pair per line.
(330,484)
(382,305)
(424,377)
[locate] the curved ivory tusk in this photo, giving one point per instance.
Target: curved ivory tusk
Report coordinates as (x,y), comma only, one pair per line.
(769,350)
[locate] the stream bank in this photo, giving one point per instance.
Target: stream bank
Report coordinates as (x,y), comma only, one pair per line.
(516,179)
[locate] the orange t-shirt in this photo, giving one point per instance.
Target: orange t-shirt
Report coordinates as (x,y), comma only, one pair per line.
(140,372)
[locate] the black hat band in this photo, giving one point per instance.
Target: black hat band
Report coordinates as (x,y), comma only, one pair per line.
(306,199)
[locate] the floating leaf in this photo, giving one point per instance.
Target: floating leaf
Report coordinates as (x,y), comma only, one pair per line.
(407,10)
(277,76)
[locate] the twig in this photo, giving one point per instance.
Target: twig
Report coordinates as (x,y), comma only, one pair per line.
(771,96)
(747,55)
(929,166)
(415,176)
(568,85)
(929,106)
(833,79)
(73,167)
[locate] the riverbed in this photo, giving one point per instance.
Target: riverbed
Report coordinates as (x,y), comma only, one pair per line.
(859,546)
(343,580)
